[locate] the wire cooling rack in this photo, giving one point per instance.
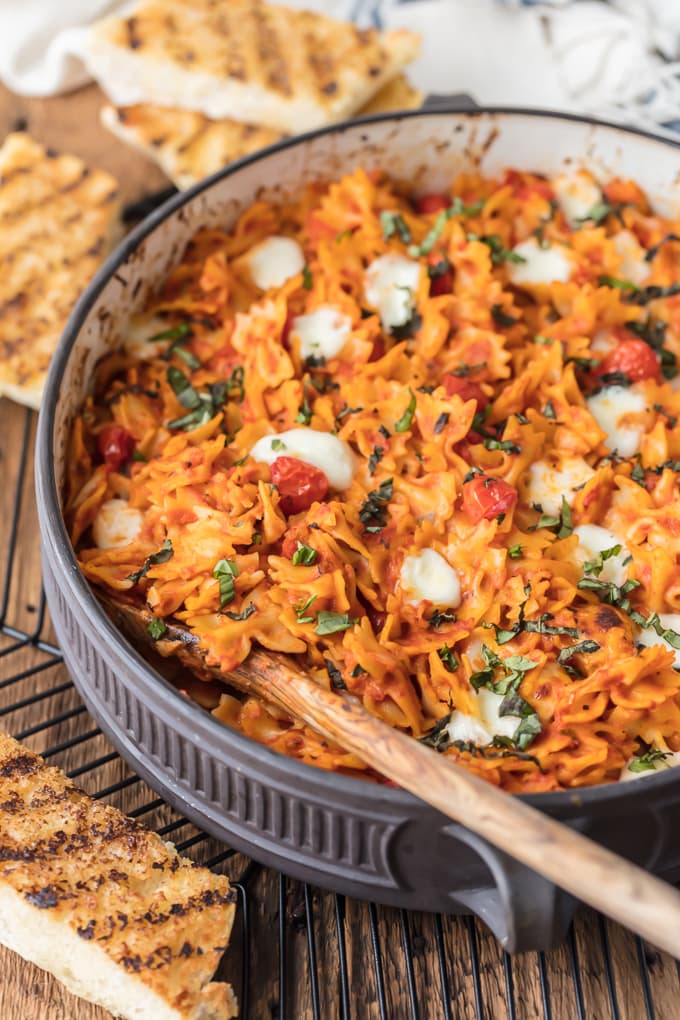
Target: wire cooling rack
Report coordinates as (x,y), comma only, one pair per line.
(298,953)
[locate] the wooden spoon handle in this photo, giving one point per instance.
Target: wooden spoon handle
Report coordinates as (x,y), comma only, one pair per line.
(593,874)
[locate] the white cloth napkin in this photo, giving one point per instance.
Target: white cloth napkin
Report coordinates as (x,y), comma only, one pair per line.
(619,59)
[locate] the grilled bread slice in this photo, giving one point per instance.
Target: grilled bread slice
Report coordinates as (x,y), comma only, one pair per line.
(189,146)
(103,903)
(285,69)
(57,220)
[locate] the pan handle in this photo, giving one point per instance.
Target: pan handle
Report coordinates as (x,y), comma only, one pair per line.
(523,910)
(461,101)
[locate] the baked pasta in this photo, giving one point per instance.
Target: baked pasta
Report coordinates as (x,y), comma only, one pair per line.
(428,445)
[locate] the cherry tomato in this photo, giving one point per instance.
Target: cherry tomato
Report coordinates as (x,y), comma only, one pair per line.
(465,389)
(116,446)
(299,484)
(485,498)
(634,358)
(432,203)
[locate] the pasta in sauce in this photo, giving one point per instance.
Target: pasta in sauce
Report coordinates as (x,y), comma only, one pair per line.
(427,444)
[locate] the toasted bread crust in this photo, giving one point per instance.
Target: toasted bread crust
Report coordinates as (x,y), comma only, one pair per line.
(58,219)
(287,69)
(114,884)
(189,146)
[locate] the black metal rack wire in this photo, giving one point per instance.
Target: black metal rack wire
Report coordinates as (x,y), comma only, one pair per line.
(297,952)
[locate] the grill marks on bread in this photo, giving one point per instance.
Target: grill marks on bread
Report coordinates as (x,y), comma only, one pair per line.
(114,885)
(289,70)
(189,146)
(57,220)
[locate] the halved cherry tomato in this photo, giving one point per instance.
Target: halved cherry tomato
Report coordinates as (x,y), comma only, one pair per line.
(432,203)
(485,498)
(634,358)
(465,389)
(116,446)
(299,484)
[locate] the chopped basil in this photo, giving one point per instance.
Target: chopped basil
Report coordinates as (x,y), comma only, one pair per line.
(358,671)
(584,364)
(654,250)
(302,608)
(502,318)
(638,474)
(617,284)
(601,211)
(156,629)
(611,594)
(643,295)
(404,423)
(438,737)
(139,456)
(332,623)
(307,277)
(409,328)
(648,761)
(549,410)
(373,512)
(440,268)
(499,253)
(304,555)
(304,414)
(439,618)
(432,236)
(344,411)
(375,458)
(505,445)
(441,423)
(180,332)
(162,556)
(225,571)
(513,704)
(541,626)
(546,341)
(515,552)
(335,675)
(384,432)
(563,522)
(653,622)
(315,361)
(278,444)
(394,223)
(248,611)
(449,658)
(188,357)
(459,208)
(586,647)
(201,406)
(597,565)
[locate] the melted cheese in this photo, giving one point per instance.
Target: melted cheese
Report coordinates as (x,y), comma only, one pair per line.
(116,524)
(540,265)
(390,285)
(672,761)
(576,193)
(632,266)
(427,576)
(275,260)
(320,449)
(548,483)
(592,539)
(482,728)
(322,333)
(647,636)
(608,408)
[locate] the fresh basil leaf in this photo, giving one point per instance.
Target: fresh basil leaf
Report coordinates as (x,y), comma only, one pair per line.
(394,223)
(180,332)
(162,556)
(649,761)
(307,278)
(505,445)
(248,611)
(441,423)
(586,647)
(449,658)
(613,281)
(375,458)
(404,423)
(335,675)
(182,388)
(332,623)
(304,414)
(408,328)
(156,629)
(302,608)
(601,211)
(596,566)
(654,250)
(225,571)
(373,511)
(515,552)
(502,318)
(304,555)
(439,618)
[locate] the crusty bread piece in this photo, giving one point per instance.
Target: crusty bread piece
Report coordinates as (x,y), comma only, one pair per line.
(289,70)
(189,146)
(57,220)
(103,903)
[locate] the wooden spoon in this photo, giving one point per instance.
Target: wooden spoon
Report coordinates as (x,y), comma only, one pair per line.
(596,876)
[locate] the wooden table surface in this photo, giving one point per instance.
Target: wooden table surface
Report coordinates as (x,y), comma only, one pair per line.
(639,984)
